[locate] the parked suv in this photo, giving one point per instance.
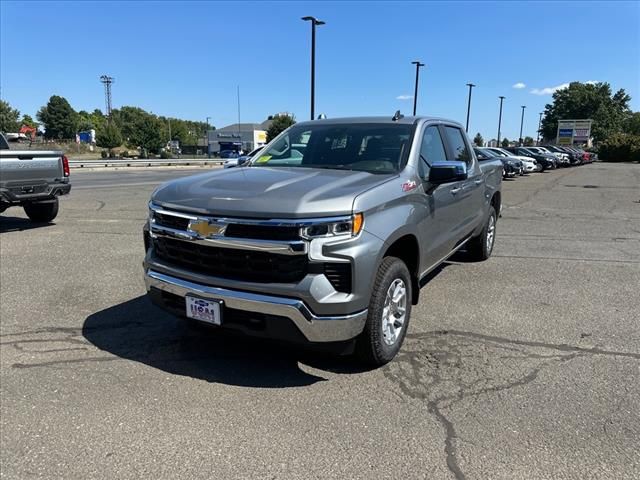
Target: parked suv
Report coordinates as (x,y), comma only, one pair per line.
(325,236)
(546,161)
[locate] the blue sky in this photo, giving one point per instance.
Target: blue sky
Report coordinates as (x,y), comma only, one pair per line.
(185,59)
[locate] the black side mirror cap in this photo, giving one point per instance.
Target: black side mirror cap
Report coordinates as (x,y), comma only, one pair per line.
(447,172)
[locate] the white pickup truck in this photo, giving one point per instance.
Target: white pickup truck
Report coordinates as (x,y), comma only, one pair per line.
(33,179)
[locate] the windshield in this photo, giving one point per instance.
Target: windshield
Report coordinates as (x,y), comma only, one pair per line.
(3,143)
(487,152)
(373,148)
(500,152)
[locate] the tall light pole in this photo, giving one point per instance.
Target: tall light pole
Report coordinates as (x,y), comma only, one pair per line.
(314,22)
(415,93)
(208,145)
(522,123)
(500,118)
(539,124)
(470,85)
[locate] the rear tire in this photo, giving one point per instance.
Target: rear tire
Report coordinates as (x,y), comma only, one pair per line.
(388,315)
(480,247)
(42,212)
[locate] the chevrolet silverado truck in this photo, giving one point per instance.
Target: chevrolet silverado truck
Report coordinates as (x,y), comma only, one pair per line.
(327,235)
(33,179)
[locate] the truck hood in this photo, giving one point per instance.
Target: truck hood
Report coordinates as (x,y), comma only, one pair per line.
(268,192)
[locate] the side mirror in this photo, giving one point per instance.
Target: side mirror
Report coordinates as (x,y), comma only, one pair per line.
(447,172)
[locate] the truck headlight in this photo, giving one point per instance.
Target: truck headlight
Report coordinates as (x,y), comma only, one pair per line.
(349,226)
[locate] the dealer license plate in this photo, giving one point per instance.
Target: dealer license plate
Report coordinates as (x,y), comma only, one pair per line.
(204,310)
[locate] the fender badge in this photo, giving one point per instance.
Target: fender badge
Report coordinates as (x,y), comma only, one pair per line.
(408,186)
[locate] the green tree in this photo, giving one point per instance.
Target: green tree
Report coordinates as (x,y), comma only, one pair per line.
(279,124)
(583,101)
(505,142)
(528,141)
(28,121)
(109,136)
(8,118)
(59,118)
(148,134)
(478,140)
(632,124)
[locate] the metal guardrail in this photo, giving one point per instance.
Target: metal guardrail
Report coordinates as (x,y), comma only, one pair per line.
(154,162)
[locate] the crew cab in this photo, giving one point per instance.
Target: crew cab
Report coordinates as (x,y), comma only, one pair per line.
(33,179)
(325,236)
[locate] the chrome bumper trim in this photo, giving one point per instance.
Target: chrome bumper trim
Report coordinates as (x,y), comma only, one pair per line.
(315,328)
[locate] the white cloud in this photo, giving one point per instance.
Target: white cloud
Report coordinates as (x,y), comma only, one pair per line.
(591,82)
(404,97)
(549,90)
(519,85)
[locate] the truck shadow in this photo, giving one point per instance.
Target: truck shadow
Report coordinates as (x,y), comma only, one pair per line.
(18,224)
(137,330)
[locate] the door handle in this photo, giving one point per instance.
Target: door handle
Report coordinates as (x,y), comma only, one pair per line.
(455,190)
(478,182)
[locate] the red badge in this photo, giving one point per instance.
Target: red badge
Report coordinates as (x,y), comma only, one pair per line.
(408,186)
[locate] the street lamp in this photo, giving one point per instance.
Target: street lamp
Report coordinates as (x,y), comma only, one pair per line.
(208,144)
(470,85)
(522,123)
(415,93)
(539,124)
(314,21)
(500,118)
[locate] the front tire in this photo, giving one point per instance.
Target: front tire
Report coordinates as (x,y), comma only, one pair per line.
(389,314)
(480,247)
(42,212)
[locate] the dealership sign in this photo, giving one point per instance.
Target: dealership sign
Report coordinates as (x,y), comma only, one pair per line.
(573,131)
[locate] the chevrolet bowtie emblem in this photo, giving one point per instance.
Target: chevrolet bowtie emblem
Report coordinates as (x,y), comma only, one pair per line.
(204,228)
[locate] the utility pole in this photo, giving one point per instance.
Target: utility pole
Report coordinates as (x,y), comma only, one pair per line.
(521,124)
(500,118)
(415,93)
(208,145)
(239,133)
(107,81)
(314,22)
(539,124)
(470,85)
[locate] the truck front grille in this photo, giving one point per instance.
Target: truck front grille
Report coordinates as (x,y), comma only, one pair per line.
(235,230)
(171,221)
(233,264)
(263,232)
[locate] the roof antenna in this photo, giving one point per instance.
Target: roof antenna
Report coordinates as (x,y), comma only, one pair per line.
(397,116)
(322,116)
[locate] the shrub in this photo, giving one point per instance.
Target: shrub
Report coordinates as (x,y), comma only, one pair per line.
(124,154)
(620,147)
(104,154)
(113,154)
(164,154)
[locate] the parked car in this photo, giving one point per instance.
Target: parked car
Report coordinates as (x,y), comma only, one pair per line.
(229,154)
(326,235)
(555,149)
(33,180)
(529,164)
(241,160)
(562,159)
(547,162)
(510,167)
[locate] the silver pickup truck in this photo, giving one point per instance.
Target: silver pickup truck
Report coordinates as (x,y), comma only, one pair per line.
(326,235)
(33,179)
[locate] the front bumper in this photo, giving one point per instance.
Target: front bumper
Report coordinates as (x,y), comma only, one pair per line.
(313,328)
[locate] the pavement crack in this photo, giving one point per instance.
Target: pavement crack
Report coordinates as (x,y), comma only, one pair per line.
(444,368)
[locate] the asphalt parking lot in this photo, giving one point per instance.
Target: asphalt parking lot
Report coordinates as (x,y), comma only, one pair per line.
(524,366)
